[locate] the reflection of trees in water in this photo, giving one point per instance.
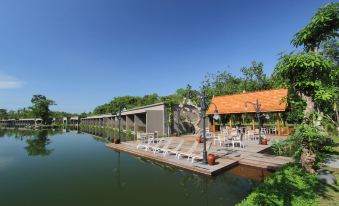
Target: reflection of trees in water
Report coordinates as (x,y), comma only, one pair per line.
(37,140)
(37,146)
(2,133)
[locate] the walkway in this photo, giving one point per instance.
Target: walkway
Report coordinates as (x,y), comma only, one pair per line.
(332,162)
(226,157)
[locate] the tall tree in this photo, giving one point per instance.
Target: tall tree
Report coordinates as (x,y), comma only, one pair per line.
(41,106)
(323,26)
(255,78)
(3,114)
(309,73)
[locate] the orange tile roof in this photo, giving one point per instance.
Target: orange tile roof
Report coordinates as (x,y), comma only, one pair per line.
(270,100)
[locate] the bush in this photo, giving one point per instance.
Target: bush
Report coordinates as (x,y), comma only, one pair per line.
(290,185)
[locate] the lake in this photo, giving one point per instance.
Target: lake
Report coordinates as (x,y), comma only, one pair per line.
(69,168)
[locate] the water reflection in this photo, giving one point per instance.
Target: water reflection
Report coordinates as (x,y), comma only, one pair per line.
(96,175)
(37,145)
(190,188)
(36,140)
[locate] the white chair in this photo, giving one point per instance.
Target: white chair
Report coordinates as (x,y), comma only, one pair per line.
(174,150)
(249,135)
(188,153)
(155,145)
(238,140)
(145,145)
(273,130)
(217,138)
(165,146)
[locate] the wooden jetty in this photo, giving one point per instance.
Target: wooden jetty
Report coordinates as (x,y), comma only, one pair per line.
(227,157)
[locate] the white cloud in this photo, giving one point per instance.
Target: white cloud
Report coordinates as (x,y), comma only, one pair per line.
(9,82)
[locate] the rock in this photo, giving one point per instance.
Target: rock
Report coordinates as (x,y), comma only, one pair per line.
(326,176)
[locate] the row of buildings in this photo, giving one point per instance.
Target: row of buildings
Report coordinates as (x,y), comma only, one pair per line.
(181,119)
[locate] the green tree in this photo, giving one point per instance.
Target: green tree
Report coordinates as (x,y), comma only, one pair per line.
(255,78)
(307,74)
(221,83)
(311,74)
(323,26)
(330,49)
(41,106)
(188,93)
(3,114)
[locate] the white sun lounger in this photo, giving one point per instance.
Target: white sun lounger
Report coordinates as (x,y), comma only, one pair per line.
(165,146)
(155,146)
(189,153)
(200,155)
(145,145)
(173,151)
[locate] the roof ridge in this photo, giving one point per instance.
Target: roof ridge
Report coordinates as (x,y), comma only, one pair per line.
(248,92)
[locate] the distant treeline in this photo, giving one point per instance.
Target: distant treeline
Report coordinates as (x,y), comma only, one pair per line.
(253,78)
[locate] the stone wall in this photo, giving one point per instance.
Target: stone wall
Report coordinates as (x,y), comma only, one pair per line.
(186,119)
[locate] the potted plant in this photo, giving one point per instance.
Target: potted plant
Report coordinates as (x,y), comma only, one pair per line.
(211,159)
(117,141)
(199,139)
(264,140)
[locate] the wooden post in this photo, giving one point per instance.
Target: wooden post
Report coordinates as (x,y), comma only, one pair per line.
(230,121)
(253,122)
(278,124)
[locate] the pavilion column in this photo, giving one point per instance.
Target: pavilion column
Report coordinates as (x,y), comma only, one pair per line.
(253,122)
(230,121)
(278,124)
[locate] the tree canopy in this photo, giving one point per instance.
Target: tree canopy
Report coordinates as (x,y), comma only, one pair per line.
(40,107)
(323,26)
(313,75)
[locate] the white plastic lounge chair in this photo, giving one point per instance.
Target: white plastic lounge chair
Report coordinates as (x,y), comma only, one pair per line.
(175,150)
(165,146)
(189,153)
(154,146)
(145,145)
(200,155)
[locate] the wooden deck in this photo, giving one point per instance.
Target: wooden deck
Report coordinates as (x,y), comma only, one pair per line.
(226,157)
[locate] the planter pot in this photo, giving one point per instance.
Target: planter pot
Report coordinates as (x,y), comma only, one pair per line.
(199,139)
(117,141)
(264,141)
(211,159)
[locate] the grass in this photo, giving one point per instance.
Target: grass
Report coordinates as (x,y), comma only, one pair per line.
(290,185)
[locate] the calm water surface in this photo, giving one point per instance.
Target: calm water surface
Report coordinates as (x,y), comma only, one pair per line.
(51,168)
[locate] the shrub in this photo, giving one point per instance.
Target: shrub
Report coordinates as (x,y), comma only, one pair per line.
(290,185)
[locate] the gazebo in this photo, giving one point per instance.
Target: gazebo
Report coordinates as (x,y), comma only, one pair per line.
(271,103)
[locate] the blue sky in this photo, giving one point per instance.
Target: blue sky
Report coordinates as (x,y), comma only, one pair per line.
(82,53)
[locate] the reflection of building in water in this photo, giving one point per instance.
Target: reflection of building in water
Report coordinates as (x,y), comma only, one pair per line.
(20,122)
